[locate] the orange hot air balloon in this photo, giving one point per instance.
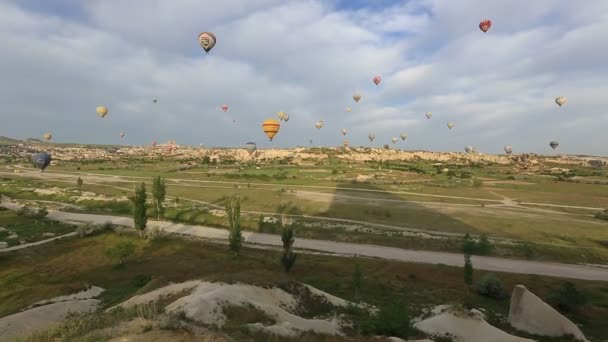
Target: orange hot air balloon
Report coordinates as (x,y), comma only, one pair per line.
(271,128)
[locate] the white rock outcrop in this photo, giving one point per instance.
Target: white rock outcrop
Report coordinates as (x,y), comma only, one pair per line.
(530,314)
(464,326)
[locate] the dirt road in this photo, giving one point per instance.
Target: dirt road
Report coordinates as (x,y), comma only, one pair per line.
(341,248)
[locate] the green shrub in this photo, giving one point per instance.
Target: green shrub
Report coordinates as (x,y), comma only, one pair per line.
(566,298)
(392,320)
(491,286)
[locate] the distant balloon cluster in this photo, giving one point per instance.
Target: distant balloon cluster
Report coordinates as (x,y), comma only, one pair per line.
(270,127)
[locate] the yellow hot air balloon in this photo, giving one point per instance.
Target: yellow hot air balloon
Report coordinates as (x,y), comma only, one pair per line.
(102,111)
(560,100)
(47,136)
(271,128)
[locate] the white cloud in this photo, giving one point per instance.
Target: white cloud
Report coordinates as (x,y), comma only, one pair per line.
(308,58)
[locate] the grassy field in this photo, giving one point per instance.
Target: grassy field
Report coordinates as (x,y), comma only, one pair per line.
(26,231)
(69,265)
(375,207)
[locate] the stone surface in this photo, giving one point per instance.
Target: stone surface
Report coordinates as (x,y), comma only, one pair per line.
(530,314)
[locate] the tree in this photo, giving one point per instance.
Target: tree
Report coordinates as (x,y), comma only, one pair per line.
(121,251)
(468,245)
(484,246)
(79,183)
(159,190)
(357,280)
(233,209)
(468,270)
(140,217)
(567,298)
(287,236)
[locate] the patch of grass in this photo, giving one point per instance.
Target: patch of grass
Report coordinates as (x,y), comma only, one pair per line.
(30,229)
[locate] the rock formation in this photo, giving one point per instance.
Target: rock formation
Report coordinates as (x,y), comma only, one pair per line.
(530,314)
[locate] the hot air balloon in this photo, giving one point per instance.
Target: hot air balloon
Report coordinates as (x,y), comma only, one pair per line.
(319,124)
(102,111)
(357,97)
(450,125)
(271,128)
(377,80)
(344,131)
(155,100)
(428,115)
(560,100)
(371,137)
(47,136)
(251,147)
(122,134)
(41,160)
(286,117)
(403,136)
(345,143)
(225,108)
(554,144)
(386,147)
(348,109)
(310,141)
(154,143)
(485,25)
(394,140)
(508,150)
(207,41)
(281,115)
(468,149)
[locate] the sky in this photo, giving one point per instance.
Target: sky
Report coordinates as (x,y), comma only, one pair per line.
(60,59)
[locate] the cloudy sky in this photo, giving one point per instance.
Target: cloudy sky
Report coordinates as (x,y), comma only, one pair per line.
(59,59)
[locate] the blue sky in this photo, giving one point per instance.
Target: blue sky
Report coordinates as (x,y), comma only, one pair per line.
(61,59)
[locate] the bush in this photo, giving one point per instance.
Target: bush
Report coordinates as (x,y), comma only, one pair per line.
(491,286)
(566,298)
(141,280)
(602,215)
(392,320)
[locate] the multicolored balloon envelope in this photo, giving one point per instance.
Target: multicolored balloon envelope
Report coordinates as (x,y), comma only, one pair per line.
(485,25)
(560,100)
(207,41)
(377,80)
(271,128)
(225,108)
(357,97)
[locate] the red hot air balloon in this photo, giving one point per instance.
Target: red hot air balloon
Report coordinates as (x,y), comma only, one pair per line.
(485,25)
(377,79)
(224,108)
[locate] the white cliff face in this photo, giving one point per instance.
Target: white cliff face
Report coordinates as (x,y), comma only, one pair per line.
(530,314)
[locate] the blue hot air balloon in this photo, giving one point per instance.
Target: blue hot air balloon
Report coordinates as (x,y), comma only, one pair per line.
(41,160)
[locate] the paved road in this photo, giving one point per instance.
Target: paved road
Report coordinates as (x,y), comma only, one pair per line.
(342,248)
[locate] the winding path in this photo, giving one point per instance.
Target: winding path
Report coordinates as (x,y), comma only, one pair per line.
(349,249)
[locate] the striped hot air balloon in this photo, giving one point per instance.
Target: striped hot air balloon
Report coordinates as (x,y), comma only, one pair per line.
(271,128)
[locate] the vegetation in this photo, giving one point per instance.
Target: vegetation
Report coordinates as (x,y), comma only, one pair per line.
(468,270)
(79,183)
(288,258)
(567,298)
(233,210)
(481,247)
(120,251)
(140,216)
(357,280)
(491,286)
(159,190)
(602,215)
